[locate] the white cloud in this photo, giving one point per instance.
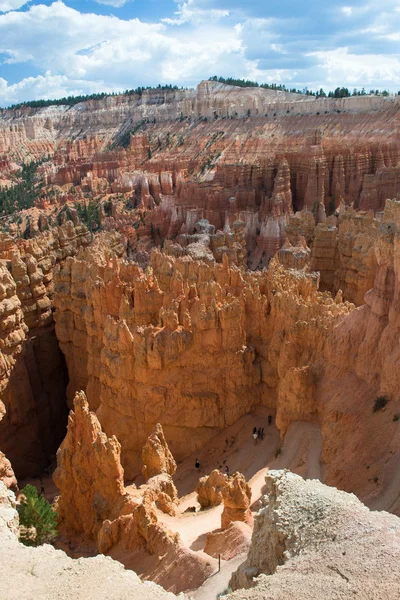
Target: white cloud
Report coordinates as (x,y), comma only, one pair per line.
(7,5)
(188,13)
(115,3)
(347,10)
(90,48)
(341,67)
(47,86)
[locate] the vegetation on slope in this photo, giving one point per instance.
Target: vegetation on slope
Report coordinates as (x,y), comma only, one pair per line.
(25,192)
(339,92)
(37,518)
(72,100)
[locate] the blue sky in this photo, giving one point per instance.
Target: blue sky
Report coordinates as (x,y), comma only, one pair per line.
(50,49)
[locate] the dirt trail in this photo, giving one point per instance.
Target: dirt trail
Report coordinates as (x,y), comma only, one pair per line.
(301,450)
(236,448)
(218,582)
(388,497)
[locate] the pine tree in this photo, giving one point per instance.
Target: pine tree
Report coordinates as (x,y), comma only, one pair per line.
(37,518)
(152,233)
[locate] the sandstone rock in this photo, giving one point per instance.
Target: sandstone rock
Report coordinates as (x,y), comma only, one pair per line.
(9,521)
(229,542)
(7,474)
(56,575)
(165,494)
(156,456)
(209,489)
(237,499)
(139,540)
(294,257)
(203,335)
(123,522)
(87,455)
(32,370)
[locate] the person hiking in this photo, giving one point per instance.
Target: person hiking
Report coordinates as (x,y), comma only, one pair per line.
(197,464)
(269,419)
(227,470)
(254,430)
(262,433)
(255,437)
(259,433)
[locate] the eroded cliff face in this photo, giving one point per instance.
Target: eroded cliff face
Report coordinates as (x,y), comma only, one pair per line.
(167,346)
(176,344)
(218,153)
(94,506)
(195,346)
(193,329)
(343,252)
(33,375)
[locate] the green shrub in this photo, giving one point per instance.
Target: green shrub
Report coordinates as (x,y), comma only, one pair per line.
(396,418)
(224,593)
(37,518)
(380,403)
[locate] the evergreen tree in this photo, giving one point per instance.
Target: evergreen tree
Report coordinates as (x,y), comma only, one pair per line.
(37,518)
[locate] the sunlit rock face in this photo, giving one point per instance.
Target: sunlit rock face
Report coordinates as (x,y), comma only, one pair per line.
(242,230)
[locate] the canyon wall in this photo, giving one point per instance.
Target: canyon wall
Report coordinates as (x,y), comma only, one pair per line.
(193,329)
(33,374)
(29,131)
(195,346)
(218,152)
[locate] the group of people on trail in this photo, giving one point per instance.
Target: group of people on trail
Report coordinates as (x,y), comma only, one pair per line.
(197,466)
(258,434)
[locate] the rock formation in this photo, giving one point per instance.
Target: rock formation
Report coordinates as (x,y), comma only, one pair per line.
(230,542)
(156,456)
(32,370)
(153,342)
(163,493)
(228,155)
(209,489)
(312,541)
(9,522)
(89,474)
(249,256)
(48,573)
(122,522)
(7,475)
(237,500)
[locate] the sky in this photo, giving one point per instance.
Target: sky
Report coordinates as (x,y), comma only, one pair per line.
(53,49)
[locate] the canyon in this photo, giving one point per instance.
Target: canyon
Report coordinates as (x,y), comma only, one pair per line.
(199,263)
